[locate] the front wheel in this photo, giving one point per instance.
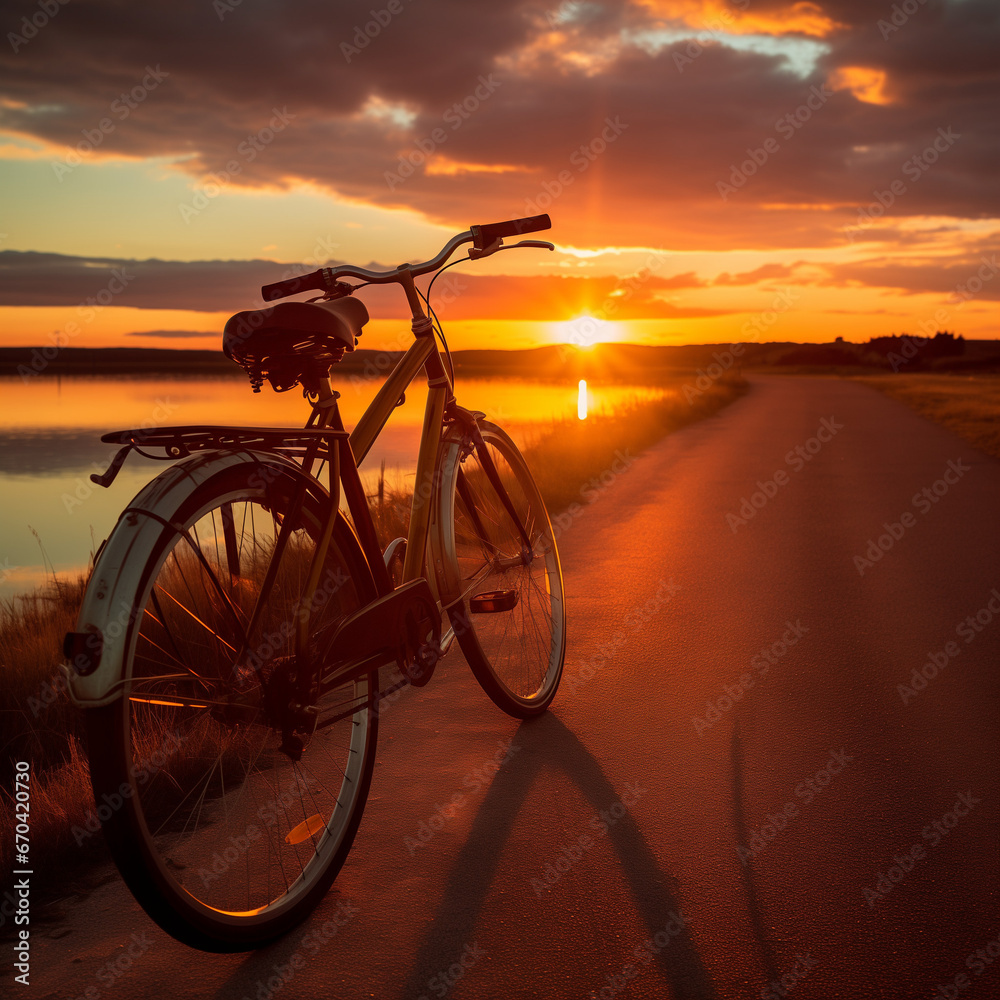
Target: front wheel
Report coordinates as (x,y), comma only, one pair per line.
(224,834)
(504,590)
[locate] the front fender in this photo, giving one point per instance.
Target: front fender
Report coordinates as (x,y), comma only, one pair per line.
(108,608)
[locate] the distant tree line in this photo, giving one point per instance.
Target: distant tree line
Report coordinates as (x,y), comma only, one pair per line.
(896,350)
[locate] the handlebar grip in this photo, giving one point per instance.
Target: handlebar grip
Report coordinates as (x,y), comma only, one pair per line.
(483,236)
(303,283)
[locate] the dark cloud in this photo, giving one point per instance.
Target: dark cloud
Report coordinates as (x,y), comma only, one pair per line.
(650,178)
(30,278)
(229,286)
(962,280)
(168,334)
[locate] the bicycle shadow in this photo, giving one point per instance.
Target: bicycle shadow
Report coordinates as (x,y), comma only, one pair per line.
(546,742)
(758,923)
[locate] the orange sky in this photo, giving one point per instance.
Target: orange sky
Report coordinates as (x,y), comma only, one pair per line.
(715,171)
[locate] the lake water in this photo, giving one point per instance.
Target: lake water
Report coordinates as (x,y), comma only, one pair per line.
(52,517)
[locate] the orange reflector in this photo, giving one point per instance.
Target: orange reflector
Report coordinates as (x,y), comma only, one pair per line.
(305,830)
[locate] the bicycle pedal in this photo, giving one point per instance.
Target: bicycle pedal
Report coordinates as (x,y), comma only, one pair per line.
(493,601)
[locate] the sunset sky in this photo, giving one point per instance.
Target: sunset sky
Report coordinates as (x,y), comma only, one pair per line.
(715,171)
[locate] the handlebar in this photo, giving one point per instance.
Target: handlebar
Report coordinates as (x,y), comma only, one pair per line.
(486,239)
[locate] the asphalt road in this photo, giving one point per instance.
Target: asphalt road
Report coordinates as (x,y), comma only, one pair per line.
(740,780)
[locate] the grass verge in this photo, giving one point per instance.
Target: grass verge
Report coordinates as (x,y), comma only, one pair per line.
(570,460)
(969,405)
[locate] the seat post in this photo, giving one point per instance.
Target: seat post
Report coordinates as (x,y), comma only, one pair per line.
(325,406)
(325,413)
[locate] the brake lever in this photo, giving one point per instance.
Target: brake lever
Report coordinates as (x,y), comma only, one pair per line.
(541,244)
(475,253)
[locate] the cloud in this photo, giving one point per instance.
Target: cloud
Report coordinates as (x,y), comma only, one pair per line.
(970,276)
(40,279)
(46,279)
(498,110)
(766,272)
(171,334)
(50,279)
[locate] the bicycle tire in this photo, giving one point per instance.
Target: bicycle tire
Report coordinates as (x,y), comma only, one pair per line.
(226,841)
(516,653)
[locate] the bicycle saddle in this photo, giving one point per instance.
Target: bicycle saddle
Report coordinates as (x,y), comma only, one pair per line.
(287,342)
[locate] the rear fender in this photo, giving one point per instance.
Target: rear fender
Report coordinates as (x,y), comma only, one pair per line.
(108,608)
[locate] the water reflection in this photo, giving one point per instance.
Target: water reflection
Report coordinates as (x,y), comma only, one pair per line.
(50,432)
(23,453)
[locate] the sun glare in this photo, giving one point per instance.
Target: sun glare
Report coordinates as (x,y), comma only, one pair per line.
(585,331)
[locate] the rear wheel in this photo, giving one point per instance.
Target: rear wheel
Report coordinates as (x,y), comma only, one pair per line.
(506,599)
(225,838)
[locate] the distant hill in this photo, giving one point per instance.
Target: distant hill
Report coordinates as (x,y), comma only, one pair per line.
(613,362)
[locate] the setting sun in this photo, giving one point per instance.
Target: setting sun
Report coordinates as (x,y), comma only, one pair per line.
(585,331)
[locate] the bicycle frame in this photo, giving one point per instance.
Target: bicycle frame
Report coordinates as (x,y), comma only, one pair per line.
(423,353)
(345,453)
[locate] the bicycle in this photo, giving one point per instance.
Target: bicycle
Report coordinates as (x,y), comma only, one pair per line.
(238,622)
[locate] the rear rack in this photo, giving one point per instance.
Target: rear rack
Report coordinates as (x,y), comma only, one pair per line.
(179,442)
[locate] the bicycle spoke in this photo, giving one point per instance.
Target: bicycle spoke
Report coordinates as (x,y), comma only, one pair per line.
(230,777)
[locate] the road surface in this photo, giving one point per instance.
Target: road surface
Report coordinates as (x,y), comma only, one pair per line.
(770,769)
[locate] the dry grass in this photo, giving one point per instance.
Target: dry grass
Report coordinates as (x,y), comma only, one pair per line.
(36,719)
(38,724)
(969,405)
